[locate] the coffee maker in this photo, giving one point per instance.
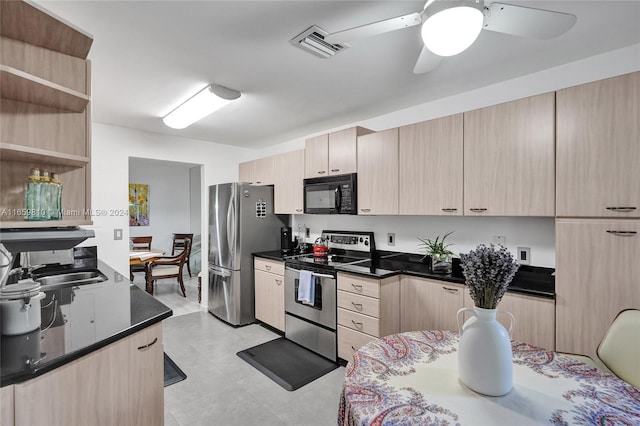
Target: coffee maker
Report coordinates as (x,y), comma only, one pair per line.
(286,243)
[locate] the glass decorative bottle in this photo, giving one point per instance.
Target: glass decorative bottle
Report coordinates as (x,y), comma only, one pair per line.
(56,197)
(32,196)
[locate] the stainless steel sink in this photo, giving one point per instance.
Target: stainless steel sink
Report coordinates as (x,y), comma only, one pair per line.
(70,278)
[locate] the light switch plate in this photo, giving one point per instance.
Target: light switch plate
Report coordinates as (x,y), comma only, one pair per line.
(524,255)
(500,239)
(117,234)
(391,239)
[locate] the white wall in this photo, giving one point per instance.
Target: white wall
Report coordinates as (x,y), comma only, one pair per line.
(169,200)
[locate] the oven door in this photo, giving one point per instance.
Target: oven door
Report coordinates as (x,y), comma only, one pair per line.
(323,312)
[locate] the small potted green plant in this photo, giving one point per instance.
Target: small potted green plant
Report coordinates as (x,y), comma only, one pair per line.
(438,252)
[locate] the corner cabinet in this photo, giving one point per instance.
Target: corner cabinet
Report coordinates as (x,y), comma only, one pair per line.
(378,173)
(509,158)
(431,167)
(598,149)
(269,292)
(597,272)
(45,86)
(120,384)
(333,154)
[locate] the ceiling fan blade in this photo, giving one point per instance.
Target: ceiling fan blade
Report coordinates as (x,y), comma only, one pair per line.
(375,28)
(526,21)
(426,61)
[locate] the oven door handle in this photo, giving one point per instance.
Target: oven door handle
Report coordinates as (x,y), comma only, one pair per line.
(324,276)
(338,199)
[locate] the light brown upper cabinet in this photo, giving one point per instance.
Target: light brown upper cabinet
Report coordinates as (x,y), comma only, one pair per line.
(333,154)
(258,172)
(378,173)
(598,149)
(431,175)
(45,89)
(288,195)
(597,273)
(509,167)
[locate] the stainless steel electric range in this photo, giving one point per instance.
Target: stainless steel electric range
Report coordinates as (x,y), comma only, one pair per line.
(312,321)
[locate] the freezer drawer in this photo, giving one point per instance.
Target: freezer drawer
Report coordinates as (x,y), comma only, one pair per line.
(311,336)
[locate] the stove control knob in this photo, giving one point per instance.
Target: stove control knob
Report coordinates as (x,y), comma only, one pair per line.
(366,242)
(361,239)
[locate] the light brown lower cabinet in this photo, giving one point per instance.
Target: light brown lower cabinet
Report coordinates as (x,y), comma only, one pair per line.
(429,304)
(368,308)
(535,318)
(120,384)
(597,269)
(269,292)
(6,406)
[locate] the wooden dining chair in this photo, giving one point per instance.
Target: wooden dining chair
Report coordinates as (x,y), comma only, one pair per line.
(168,267)
(179,245)
(138,243)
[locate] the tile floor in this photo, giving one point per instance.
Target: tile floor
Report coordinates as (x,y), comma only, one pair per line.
(222,389)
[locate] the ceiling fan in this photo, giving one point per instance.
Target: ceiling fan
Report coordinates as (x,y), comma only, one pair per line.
(451,26)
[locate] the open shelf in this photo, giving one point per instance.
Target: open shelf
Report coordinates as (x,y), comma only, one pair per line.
(26,154)
(24,87)
(28,22)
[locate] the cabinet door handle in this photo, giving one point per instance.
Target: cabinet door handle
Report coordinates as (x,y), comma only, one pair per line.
(258,182)
(449,210)
(335,170)
(476,210)
(298,210)
(621,209)
(450,290)
(354,349)
(623,233)
(357,286)
(278,282)
(358,306)
(267,267)
(322,172)
(365,210)
(357,324)
(145,347)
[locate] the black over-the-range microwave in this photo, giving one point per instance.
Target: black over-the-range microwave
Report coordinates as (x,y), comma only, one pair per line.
(331,195)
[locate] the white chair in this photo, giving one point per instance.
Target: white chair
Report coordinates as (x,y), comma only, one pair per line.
(619,349)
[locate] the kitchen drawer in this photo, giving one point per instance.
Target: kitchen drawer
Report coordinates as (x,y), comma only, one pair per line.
(272,266)
(359,285)
(359,322)
(350,341)
(357,303)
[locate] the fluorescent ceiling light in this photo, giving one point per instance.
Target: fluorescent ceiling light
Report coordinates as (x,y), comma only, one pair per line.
(452,26)
(203,103)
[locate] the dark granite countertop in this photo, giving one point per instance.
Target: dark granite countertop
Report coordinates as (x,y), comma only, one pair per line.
(77,320)
(531,280)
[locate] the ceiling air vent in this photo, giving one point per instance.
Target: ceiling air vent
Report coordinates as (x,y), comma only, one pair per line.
(312,40)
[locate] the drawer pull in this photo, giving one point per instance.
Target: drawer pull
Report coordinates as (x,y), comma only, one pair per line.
(278,282)
(478,210)
(259,182)
(621,209)
(450,290)
(322,172)
(298,210)
(356,286)
(267,267)
(335,170)
(449,210)
(145,347)
(358,306)
(623,233)
(365,210)
(357,324)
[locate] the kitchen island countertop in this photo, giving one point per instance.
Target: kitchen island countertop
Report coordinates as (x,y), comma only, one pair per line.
(76,321)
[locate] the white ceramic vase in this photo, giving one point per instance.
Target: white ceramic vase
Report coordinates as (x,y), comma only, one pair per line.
(485,359)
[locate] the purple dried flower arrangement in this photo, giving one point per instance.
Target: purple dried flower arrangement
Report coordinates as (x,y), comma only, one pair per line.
(488,272)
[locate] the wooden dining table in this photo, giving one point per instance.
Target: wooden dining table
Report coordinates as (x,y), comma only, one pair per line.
(412,379)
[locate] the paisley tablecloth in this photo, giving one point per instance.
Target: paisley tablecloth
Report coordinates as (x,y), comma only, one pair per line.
(412,378)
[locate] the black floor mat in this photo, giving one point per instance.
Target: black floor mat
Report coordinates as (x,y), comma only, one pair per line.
(172,373)
(287,363)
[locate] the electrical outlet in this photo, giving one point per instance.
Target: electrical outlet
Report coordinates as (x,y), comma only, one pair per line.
(500,239)
(391,239)
(117,234)
(524,255)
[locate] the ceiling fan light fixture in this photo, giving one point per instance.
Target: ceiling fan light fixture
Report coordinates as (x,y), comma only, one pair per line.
(203,103)
(451,27)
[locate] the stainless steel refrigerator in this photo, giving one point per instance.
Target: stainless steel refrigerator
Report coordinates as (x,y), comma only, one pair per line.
(241,222)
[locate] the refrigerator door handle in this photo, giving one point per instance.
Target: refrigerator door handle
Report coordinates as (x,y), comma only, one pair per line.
(231,228)
(219,271)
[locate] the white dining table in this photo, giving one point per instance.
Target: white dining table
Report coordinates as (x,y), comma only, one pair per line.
(412,379)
